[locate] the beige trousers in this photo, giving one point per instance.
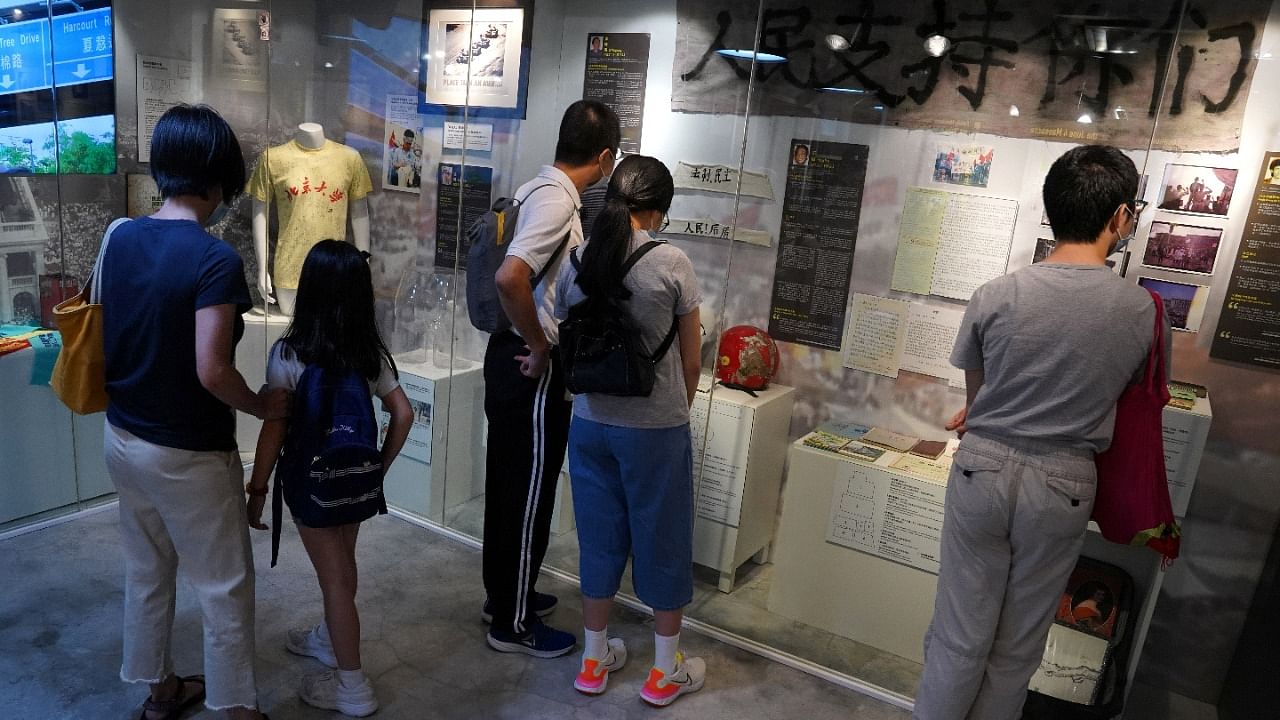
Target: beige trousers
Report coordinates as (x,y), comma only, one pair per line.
(1016,515)
(185,506)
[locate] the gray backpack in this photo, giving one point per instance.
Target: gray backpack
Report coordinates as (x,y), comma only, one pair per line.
(490,236)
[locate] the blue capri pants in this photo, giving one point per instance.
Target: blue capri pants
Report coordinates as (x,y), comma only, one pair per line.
(633,496)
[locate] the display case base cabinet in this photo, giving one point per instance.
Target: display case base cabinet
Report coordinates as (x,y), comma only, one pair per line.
(879,602)
(738,480)
(427,481)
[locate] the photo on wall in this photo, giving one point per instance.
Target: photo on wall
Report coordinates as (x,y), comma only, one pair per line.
(1186,248)
(1183,303)
(968,165)
(1197,190)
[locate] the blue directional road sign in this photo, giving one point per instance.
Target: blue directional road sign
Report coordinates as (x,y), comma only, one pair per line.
(82,49)
(24,56)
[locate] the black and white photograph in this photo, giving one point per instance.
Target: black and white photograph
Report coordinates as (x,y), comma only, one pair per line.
(1186,248)
(1197,190)
(477,58)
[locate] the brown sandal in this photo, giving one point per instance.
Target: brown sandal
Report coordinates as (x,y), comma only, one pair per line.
(174,708)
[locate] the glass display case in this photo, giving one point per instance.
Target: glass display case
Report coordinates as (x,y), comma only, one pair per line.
(846,175)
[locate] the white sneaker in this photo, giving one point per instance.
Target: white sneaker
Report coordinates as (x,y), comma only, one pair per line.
(593,678)
(307,643)
(662,689)
(324,690)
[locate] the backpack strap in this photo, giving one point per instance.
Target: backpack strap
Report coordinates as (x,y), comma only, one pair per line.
(536,280)
(634,258)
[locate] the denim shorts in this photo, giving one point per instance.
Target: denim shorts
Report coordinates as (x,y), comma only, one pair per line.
(633,496)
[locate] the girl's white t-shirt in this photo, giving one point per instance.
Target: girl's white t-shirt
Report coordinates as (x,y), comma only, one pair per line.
(284,368)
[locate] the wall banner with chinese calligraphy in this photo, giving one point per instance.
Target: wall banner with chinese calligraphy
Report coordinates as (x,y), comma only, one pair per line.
(617,71)
(722,179)
(815,245)
(1023,70)
(460,194)
(1249,327)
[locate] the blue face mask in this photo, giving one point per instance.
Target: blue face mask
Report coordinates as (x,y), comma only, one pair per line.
(218,215)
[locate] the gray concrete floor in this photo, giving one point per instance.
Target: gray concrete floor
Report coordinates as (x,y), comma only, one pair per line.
(423,641)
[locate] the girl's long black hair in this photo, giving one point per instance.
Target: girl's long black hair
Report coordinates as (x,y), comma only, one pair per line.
(639,183)
(333,319)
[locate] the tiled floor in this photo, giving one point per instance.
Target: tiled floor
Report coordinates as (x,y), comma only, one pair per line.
(420,594)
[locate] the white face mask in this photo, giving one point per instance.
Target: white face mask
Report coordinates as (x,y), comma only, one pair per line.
(1123,242)
(217,216)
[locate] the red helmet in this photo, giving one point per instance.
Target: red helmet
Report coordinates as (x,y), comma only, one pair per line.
(747,359)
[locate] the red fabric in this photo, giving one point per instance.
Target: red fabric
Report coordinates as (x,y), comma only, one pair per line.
(1132,505)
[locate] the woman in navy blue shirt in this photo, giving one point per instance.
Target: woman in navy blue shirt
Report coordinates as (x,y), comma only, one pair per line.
(172,296)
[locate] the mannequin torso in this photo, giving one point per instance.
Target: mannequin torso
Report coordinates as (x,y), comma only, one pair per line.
(323,183)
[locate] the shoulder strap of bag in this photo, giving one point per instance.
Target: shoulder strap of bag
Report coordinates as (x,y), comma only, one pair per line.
(1155,373)
(537,279)
(640,252)
(95,277)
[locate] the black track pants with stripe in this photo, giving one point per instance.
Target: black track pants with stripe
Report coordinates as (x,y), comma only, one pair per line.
(528,432)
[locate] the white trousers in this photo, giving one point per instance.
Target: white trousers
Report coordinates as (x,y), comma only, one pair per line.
(180,505)
(1016,515)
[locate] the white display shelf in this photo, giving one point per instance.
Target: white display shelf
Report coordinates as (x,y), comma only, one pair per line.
(738,476)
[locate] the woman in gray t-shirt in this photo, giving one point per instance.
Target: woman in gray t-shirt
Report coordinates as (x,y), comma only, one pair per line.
(630,458)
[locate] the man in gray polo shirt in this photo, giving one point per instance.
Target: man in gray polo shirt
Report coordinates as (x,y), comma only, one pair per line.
(525,400)
(1046,351)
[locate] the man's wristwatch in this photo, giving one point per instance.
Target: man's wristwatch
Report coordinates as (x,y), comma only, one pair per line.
(255,492)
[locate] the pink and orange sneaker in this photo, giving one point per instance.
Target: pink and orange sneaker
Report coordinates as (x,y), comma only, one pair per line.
(594,676)
(661,689)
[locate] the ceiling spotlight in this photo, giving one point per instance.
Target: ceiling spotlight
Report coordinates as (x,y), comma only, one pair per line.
(844,90)
(936,45)
(17,12)
(761,57)
(1085,119)
(877,107)
(837,43)
(1120,113)
(1014,111)
(328,64)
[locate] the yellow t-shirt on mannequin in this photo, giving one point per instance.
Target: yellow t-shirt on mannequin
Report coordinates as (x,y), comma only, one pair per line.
(311,190)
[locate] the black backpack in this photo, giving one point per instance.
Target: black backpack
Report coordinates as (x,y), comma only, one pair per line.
(601,347)
(489,236)
(330,468)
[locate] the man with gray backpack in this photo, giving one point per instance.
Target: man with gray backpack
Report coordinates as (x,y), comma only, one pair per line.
(514,261)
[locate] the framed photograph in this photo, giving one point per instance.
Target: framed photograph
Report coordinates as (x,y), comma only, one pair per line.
(238,58)
(1183,303)
(1186,248)
(1197,190)
(476,58)
(1044,246)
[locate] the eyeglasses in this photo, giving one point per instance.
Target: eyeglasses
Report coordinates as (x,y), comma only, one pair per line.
(666,222)
(1139,206)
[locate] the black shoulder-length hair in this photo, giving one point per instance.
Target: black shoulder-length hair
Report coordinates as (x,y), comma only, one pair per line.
(333,319)
(639,183)
(192,150)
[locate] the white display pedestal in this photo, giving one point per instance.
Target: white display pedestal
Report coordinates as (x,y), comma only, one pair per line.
(888,605)
(51,457)
(261,331)
(738,480)
(449,426)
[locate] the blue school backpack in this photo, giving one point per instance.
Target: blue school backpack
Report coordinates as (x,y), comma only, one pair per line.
(330,469)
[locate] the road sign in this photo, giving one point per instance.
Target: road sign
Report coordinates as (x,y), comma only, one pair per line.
(24,56)
(82,50)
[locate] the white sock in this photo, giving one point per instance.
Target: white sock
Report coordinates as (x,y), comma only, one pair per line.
(351,678)
(322,632)
(595,643)
(664,652)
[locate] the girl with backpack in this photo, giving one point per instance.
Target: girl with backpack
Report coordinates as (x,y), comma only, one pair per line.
(333,342)
(630,457)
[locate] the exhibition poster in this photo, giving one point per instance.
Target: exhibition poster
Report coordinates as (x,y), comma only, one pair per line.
(422,399)
(820,214)
(162,83)
(617,71)
(402,145)
(462,196)
(887,335)
(1249,327)
(950,244)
